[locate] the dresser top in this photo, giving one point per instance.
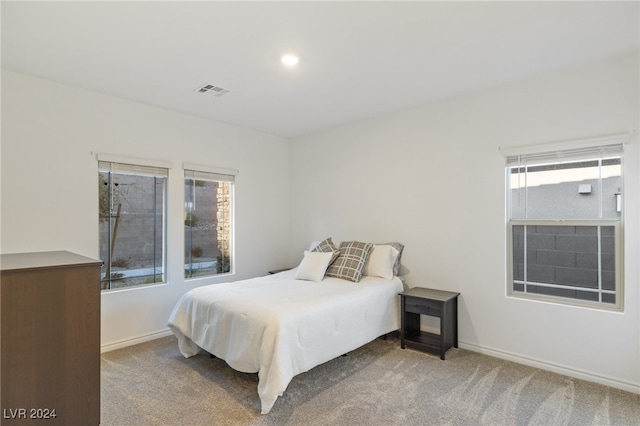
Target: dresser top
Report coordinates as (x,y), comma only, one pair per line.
(43,260)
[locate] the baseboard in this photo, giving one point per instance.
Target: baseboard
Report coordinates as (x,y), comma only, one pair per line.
(555,368)
(134,340)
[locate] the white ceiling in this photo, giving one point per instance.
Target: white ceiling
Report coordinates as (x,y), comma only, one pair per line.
(358,60)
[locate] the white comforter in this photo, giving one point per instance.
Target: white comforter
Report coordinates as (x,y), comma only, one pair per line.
(280,327)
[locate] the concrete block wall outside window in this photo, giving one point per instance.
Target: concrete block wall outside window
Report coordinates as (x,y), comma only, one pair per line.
(565,256)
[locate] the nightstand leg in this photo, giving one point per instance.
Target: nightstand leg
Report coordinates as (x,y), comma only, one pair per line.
(402,322)
(455,322)
(443,330)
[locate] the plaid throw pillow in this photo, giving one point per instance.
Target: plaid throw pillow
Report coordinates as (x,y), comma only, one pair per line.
(350,263)
(327,246)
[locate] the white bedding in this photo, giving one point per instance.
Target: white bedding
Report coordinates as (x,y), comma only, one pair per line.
(280,327)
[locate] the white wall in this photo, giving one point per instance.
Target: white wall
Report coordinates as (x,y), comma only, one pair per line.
(50,134)
(433,179)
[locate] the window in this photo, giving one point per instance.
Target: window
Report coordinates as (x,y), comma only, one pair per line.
(208,221)
(132,211)
(565,225)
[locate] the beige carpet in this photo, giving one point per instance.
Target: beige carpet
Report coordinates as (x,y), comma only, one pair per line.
(378,384)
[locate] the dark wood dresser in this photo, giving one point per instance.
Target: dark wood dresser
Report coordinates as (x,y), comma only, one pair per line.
(50,341)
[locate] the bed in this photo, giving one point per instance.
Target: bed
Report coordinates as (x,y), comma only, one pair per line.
(282,325)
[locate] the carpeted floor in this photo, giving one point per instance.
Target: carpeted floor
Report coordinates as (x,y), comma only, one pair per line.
(378,384)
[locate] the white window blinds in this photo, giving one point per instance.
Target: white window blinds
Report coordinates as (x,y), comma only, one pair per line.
(603,147)
(133,166)
(209,173)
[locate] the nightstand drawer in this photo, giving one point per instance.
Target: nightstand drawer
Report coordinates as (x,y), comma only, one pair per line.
(417,305)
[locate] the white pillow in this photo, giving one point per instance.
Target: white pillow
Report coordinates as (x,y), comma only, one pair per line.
(381,261)
(313,266)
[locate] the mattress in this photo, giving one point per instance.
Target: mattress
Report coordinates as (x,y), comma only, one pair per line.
(279,327)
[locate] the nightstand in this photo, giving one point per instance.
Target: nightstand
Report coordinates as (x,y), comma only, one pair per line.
(435,303)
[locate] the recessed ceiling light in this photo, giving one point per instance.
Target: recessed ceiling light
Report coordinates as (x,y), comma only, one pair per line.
(289,60)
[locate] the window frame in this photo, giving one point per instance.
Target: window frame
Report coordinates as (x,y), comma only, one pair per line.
(568,151)
(139,167)
(212,174)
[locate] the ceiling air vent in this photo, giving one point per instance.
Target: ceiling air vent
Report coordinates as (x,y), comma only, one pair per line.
(210,89)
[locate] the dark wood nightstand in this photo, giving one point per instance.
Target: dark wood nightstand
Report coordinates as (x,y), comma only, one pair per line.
(436,303)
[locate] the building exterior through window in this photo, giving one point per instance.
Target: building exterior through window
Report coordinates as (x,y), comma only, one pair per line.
(208,223)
